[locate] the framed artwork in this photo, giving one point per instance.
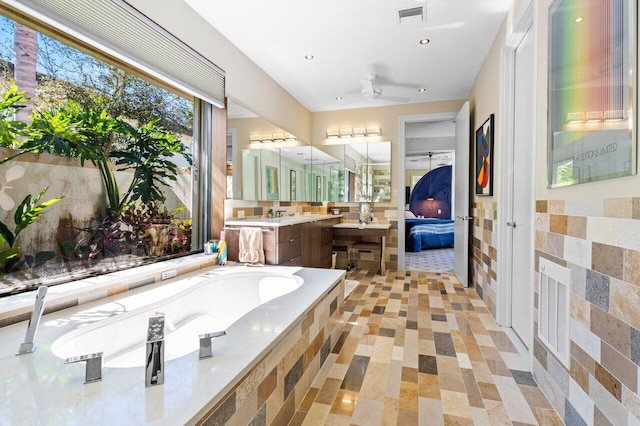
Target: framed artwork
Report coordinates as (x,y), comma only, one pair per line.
(292,185)
(272,182)
(591,99)
(318,188)
(484,158)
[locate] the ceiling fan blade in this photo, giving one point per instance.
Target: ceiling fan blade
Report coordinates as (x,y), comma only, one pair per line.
(397,99)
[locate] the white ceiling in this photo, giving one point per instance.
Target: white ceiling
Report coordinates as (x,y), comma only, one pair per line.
(351,38)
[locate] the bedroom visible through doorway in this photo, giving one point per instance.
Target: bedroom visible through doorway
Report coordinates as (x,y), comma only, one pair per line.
(428,213)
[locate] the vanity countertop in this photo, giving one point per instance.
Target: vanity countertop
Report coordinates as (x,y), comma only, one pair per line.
(356,225)
(280,221)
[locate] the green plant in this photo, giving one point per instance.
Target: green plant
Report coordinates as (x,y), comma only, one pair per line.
(29,210)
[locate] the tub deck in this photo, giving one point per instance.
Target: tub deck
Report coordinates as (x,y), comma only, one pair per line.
(40,389)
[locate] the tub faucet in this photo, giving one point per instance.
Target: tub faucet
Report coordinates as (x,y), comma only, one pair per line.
(154,363)
(205,343)
(27,346)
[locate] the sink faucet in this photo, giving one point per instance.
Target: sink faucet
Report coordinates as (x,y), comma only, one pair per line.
(154,362)
(27,346)
(280,212)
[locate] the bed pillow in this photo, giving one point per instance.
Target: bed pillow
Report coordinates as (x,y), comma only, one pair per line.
(408,214)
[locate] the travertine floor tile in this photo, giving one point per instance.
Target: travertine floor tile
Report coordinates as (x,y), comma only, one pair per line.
(420,349)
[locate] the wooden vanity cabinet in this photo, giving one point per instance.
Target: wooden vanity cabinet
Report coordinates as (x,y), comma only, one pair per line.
(282,244)
(318,243)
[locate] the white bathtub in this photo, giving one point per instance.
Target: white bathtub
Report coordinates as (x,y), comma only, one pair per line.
(212,304)
(256,307)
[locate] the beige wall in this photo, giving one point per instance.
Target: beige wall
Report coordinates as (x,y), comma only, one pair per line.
(384,117)
(246,83)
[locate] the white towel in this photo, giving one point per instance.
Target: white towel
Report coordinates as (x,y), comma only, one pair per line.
(251,248)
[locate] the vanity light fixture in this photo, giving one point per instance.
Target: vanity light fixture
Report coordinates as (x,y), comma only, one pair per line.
(575,117)
(593,116)
(374,131)
(288,137)
(308,57)
(422,90)
(255,138)
(278,137)
(424,41)
(346,133)
(331,134)
(359,131)
(266,138)
(614,115)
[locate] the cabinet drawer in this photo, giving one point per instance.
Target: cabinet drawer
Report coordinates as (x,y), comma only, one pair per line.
(286,233)
(289,250)
(296,261)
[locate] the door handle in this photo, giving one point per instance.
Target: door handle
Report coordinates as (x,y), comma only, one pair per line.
(511,224)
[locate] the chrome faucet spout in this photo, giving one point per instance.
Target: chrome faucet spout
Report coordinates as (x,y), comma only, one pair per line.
(154,362)
(27,346)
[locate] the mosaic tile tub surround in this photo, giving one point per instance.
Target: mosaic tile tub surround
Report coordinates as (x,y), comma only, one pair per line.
(271,391)
(599,241)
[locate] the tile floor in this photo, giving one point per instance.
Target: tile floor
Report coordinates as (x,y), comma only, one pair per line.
(435,260)
(419,349)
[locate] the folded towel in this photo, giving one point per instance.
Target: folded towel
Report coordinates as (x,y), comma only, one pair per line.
(251,248)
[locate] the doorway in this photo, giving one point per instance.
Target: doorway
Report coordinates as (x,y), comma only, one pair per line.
(516,212)
(459,201)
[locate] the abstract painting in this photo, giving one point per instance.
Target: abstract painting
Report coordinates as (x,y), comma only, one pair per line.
(484,158)
(272,183)
(591,132)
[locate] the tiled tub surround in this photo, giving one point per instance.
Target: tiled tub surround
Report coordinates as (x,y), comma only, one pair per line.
(484,255)
(17,308)
(39,389)
(599,240)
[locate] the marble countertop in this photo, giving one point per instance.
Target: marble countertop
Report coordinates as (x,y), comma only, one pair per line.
(279,221)
(356,225)
(39,389)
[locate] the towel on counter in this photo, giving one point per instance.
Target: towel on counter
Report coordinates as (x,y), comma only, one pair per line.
(251,246)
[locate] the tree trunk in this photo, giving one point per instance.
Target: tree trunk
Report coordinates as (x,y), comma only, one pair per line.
(25,46)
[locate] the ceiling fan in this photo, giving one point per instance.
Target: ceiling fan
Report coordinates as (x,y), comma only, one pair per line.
(372,91)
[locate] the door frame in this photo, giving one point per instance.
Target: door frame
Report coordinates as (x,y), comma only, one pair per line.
(402,120)
(524,21)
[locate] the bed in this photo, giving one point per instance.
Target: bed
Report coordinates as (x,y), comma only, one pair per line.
(423,234)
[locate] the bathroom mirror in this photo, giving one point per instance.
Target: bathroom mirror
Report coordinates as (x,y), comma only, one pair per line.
(368,171)
(262,161)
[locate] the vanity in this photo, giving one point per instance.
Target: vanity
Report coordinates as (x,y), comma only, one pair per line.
(379,230)
(289,241)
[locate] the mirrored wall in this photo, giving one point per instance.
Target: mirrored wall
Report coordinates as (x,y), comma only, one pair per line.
(266,163)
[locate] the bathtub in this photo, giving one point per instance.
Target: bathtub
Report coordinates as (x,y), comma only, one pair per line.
(204,304)
(261,310)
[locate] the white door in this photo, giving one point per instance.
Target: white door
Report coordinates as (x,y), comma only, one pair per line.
(521,225)
(461,198)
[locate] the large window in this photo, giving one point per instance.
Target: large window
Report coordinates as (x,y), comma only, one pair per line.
(95,164)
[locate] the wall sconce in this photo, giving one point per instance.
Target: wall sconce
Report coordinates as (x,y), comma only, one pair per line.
(346,133)
(374,131)
(593,116)
(288,137)
(576,117)
(614,115)
(333,134)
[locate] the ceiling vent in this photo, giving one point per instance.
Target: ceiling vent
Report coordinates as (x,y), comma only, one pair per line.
(412,15)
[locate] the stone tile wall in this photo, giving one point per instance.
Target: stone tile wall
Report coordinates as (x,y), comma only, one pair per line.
(484,254)
(271,392)
(599,240)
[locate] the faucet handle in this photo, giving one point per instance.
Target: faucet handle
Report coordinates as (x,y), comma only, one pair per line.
(205,343)
(93,372)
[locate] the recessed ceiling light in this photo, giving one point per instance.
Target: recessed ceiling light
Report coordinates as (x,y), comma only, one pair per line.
(308,57)
(422,90)
(578,19)
(339,98)
(425,41)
